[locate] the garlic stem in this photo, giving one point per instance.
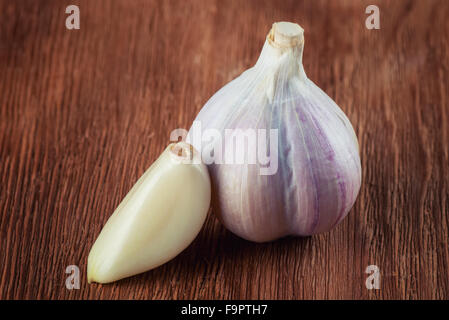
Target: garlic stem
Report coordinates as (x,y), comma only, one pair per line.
(286,35)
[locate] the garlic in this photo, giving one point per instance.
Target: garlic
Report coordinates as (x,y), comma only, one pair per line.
(158,218)
(317,175)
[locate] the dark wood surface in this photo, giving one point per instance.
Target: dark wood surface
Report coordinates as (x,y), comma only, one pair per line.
(83,113)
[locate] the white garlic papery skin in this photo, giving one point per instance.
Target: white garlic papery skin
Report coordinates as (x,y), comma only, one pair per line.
(159,217)
(319,173)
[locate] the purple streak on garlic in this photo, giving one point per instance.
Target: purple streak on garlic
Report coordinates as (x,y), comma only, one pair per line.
(319,174)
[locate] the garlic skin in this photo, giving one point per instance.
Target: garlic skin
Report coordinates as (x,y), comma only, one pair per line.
(158,218)
(319,171)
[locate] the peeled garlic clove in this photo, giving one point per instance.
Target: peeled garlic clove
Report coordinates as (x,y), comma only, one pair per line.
(317,175)
(159,218)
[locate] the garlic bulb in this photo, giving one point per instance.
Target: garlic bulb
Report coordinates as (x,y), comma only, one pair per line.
(316,173)
(158,218)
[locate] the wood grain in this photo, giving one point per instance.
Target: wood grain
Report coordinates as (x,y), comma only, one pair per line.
(84,112)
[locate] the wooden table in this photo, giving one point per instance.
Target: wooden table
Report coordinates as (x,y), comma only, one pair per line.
(84,112)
